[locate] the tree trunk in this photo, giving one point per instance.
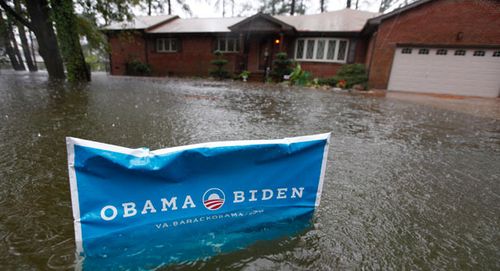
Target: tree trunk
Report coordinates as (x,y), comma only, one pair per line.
(15,47)
(33,51)
(322,5)
(24,41)
(385,4)
(169,7)
(223,8)
(71,48)
(292,8)
(7,43)
(232,8)
(47,41)
(348,5)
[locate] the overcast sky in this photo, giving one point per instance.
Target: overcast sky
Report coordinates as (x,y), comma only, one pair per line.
(208,8)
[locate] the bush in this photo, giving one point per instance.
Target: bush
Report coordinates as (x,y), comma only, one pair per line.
(219,72)
(300,77)
(137,68)
(353,74)
(327,81)
(282,65)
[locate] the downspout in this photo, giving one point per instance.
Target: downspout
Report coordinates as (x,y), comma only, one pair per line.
(146,54)
(110,66)
(374,36)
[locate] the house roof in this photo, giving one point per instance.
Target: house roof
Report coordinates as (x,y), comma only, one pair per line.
(261,16)
(397,11)
(197,25)
(344,20)
(373,23)
(140,22)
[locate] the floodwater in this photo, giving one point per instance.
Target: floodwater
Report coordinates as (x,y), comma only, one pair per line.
(408,185)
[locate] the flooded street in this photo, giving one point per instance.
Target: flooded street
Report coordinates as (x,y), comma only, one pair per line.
(409,185)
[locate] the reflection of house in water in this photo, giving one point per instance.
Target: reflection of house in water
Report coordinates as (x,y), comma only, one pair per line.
(449,47)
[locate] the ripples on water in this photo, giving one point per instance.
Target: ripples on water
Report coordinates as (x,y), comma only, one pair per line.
(408,186)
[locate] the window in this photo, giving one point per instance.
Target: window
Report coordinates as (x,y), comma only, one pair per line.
(459,52)
(342,50)
(227,45)
(496,54)
(442,52)
(331,49)
(406,51)
(310,49)
(479,53)
(166,45)
(321,49)
(423,51)
(300,49)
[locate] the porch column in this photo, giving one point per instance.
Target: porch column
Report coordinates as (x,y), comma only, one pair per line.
(281,41)
(242,60)
(242,44)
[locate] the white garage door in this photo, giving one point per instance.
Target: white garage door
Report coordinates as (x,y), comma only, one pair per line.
(469,72)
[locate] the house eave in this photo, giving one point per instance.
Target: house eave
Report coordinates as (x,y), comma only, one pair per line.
(443,45)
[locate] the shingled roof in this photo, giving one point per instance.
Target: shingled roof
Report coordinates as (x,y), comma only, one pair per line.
(140,22)
(344,20)
(197,25)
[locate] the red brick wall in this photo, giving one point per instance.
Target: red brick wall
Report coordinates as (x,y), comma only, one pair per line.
(196,53)
(325,69)
(193,58)
(360,51)
(125,47)
(369,50)
(437,22)
(321,69)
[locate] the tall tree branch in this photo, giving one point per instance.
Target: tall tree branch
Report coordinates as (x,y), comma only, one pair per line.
(15,15)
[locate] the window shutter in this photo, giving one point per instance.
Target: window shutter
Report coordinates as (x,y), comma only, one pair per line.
(179,44)
(351,55)
(152,45)
(214,44)
(157,45)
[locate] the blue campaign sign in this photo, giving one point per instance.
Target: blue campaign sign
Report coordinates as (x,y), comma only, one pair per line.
(136,207)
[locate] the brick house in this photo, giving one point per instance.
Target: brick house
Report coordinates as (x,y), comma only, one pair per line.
(443,46)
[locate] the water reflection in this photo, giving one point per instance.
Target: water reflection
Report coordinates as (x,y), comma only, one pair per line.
(187,244)
(408,186)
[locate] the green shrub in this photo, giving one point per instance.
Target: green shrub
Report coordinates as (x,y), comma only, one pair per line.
(219,71)
(353,74)
(300,77)
(282,65)
(137,68)
(327,81)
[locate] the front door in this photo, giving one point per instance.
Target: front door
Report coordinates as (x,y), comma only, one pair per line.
(265,53)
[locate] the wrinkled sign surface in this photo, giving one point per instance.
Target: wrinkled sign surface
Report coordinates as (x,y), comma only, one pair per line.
(137,207)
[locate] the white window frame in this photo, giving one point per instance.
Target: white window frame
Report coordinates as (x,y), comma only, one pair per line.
(236,46)
(162,42)
(324,59)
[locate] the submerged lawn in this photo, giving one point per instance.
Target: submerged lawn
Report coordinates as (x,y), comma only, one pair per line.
(411,182)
